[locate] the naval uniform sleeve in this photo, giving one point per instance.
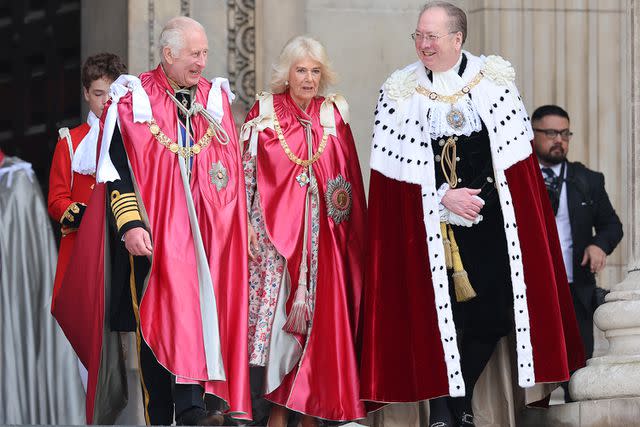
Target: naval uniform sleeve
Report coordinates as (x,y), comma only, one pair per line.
(122,197)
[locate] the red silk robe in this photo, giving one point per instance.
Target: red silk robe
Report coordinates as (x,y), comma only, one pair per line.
(170,315)
(324,382)
(62,194)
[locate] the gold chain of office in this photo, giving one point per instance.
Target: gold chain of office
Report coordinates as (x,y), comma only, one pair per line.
(453,98)
(295,159)
(174,147)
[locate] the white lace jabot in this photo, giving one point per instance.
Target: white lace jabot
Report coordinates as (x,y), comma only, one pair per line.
(447,83)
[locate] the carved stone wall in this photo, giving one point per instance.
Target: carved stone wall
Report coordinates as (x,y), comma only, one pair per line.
(241,49)
(569,52)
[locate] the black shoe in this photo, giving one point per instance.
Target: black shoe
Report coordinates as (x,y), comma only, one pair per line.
(462,411)
(199,417)
(439,413)
(465,420)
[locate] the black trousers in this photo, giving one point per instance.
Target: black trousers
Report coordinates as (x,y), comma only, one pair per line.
(584,316)
(475,352)
(159,391)
(161,394)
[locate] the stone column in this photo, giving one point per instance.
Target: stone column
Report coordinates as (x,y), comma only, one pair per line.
(616,374)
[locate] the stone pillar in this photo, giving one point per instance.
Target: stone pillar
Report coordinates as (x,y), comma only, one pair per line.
(616,374)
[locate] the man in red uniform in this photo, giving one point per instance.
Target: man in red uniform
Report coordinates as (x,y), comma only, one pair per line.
(170,170)
(73,169)
(456,188)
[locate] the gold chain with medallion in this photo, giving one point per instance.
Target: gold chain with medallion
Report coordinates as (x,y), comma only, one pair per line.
(174,147)
(295,159)
(455,118)
(453,98)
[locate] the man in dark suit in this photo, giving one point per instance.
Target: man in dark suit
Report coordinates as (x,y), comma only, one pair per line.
(581,205)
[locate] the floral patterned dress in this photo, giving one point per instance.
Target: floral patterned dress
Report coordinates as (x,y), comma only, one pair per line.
(265,273)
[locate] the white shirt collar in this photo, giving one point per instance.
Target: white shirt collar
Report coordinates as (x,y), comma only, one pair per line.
(555,168)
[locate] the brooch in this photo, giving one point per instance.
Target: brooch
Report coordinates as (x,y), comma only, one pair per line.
(455,118)
(219,176)
(339,199)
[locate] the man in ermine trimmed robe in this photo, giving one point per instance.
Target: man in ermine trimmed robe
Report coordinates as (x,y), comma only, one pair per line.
(463,246)
(171,174)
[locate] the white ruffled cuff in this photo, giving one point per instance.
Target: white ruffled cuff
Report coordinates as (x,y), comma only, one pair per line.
(444,212)
(450,217)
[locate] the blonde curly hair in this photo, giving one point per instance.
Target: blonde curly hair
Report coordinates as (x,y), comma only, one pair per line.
(296,49)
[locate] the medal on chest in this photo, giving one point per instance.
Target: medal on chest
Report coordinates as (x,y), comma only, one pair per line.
(455,117)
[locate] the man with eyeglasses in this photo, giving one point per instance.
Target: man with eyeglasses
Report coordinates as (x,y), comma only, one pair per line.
(581,205)
(459,236)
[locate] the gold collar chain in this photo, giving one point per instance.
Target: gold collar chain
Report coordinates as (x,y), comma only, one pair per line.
(295,159)
(453,98)
(174,147)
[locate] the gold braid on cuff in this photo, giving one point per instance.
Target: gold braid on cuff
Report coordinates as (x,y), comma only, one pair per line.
(69,212)
(125,208)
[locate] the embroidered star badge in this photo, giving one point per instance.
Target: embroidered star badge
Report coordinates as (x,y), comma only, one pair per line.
(219,176)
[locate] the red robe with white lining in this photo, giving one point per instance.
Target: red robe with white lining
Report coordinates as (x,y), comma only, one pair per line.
(324,381)
(170,314)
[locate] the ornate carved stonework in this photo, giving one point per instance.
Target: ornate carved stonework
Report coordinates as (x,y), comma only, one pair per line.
(152,39)
(185,7)
(241,53)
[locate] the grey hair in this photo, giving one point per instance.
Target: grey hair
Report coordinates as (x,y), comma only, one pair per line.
(172,35)
(457,17)
(296,49)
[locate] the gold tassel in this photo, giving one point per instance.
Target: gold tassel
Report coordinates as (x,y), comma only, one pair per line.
(464,290)
(447,246)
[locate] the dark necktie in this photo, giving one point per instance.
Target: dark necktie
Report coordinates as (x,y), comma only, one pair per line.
(184,96)
(554,185)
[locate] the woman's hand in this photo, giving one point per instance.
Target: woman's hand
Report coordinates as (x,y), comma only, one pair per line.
(252,247)
(464,202)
